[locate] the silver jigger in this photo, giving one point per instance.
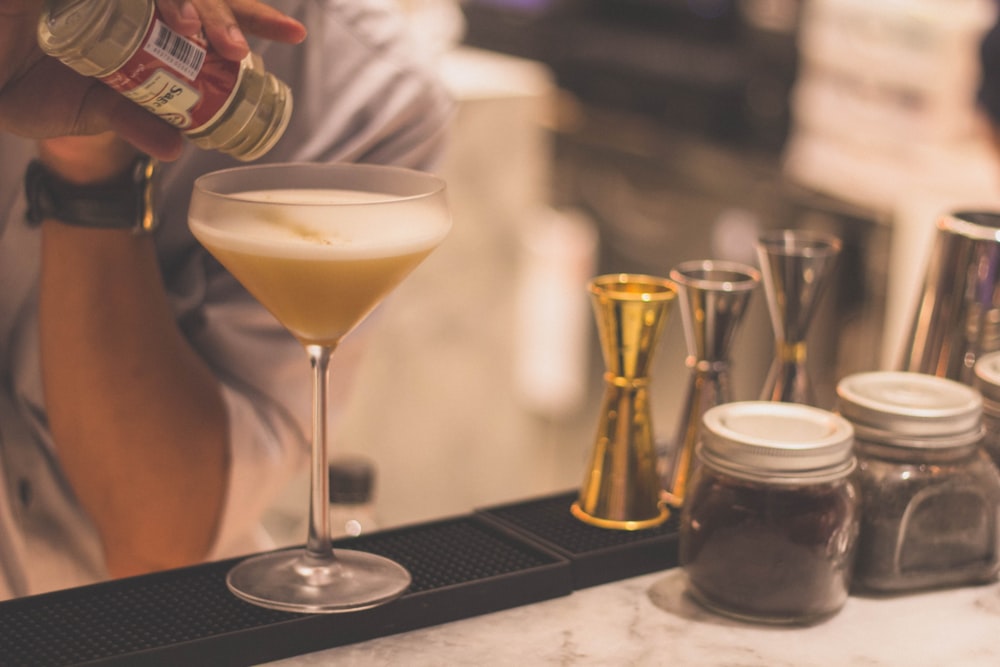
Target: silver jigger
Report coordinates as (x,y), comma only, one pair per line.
(957,317)
(713,297)
(795,265)
(621,488)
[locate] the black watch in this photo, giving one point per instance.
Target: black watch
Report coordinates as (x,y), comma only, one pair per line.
(123,203)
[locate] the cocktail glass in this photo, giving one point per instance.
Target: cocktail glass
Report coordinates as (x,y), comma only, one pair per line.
(319,246)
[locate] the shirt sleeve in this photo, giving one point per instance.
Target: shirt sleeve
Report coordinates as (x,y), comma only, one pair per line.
(363,89)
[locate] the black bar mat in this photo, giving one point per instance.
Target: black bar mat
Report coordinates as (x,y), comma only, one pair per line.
(461,567)
(598,555)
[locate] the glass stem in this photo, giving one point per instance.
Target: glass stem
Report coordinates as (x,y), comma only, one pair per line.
(318,541)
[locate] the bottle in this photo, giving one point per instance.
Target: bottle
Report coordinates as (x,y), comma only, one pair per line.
(770,522)
(352,508)
(234,107)
(931,495)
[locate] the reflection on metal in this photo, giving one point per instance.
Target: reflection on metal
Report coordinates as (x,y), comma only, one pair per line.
(713,297)
(957,317)
(796,265)
(621,488)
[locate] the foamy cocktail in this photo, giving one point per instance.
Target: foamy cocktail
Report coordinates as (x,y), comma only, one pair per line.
(319,271)
(319,246)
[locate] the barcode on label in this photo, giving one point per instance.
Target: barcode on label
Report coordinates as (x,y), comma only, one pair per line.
(175,50)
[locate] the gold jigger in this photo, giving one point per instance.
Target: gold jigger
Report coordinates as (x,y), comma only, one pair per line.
(621,489)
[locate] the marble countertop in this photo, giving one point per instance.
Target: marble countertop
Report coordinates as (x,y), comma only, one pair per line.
(649,620)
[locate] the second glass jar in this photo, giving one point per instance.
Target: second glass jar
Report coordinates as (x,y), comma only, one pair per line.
(930,494)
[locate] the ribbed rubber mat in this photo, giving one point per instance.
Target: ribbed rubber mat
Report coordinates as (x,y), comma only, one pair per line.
(461,567)
(598,555)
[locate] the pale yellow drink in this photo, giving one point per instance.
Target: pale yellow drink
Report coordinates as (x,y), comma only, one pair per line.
(318,270)
(319,258)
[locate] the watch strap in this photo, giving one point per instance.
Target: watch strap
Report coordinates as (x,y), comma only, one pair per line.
(122,203)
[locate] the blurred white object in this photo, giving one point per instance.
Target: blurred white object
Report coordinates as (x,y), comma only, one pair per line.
(885,100)
(901,70)
(884,177)
(558,255)
(436,25)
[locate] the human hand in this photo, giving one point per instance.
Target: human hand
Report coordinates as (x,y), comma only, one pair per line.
(40,97)
(222,21)
(87,159)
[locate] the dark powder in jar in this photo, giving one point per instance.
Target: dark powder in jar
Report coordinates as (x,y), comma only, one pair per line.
(925,525)
(774,553)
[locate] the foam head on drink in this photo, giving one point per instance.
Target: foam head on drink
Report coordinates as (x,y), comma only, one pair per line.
(319,260)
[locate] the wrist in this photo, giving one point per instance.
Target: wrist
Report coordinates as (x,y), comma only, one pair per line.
(87,160)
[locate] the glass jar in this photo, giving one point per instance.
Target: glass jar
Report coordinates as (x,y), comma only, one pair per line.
(233,107)
(769,527)
(929,492)
(987,371)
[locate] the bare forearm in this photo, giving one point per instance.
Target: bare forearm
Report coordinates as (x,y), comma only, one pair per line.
(137,418)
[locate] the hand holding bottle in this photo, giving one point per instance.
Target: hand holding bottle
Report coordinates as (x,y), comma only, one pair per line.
(40,97)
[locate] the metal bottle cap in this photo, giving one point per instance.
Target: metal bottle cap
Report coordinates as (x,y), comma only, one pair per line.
(785,443)
(254,120)
(911,409)
(94,37)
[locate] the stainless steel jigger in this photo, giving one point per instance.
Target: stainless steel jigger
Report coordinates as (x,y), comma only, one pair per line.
(957,318)
(796,265)
(621,488)
(713,297)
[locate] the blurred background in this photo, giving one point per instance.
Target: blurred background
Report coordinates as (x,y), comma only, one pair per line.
(598,136)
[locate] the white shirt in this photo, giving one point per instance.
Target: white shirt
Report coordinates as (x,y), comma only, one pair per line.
(360,95)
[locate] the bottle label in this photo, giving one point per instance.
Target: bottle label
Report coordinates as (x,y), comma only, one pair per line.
(181,79)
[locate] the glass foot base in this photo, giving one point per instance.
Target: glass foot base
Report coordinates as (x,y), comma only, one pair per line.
(295,580)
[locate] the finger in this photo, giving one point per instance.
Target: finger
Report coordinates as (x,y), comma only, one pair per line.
(260,19)
(84,106)
(224,23)
(221,28)
(133,124)
(151,135)
(180,15)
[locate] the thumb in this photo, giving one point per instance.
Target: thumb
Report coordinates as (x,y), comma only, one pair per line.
(137,126)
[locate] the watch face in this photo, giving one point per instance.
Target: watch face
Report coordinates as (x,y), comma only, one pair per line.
(125,203)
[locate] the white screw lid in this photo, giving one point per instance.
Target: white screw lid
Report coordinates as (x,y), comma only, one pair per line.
(911,409)
(778,442)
